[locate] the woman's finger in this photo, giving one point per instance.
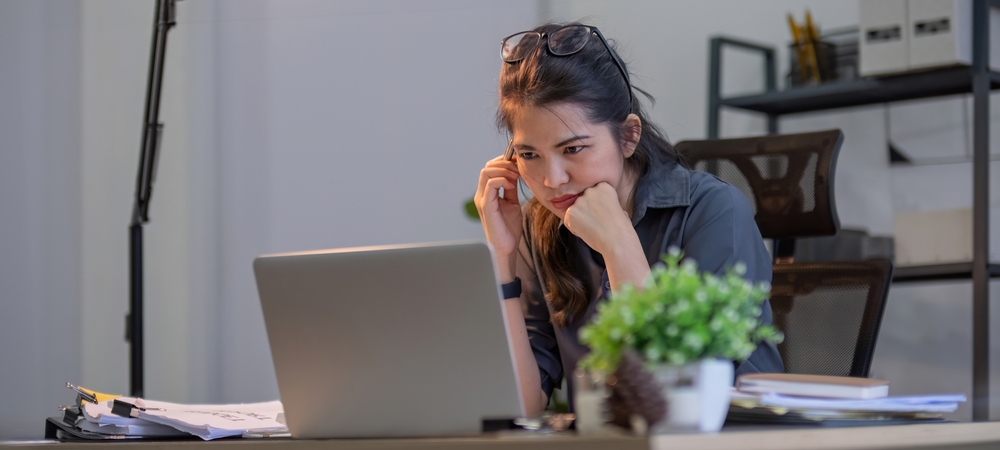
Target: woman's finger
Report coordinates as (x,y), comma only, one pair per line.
(510,193)
(491,172)
(491,191)
(493,186)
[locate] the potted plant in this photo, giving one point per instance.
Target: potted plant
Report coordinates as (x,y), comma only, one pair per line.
(687,328)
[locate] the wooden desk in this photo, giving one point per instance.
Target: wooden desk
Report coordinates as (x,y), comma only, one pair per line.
(964,436)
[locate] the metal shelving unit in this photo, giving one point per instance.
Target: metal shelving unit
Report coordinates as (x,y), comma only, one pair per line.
(978,80)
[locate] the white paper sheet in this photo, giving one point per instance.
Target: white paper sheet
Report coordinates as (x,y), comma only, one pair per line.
(215,421)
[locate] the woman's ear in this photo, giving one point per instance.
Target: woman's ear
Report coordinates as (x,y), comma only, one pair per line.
(631,131)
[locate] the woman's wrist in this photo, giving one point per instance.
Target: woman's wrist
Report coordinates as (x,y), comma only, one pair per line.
(507,268)
(621,235)
(627,263)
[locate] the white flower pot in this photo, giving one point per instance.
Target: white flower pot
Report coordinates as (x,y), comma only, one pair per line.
(697,395)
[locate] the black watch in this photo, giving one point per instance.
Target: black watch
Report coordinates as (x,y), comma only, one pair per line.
(512,289)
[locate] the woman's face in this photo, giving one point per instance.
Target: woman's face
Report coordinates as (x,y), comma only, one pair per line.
(560,153)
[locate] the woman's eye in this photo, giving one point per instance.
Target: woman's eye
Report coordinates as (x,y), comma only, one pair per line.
(574,149)
(526,155)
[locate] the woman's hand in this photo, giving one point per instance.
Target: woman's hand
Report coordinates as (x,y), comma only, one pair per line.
(597,217)
(501,216)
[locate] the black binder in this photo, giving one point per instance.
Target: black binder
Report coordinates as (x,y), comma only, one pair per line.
(64,429)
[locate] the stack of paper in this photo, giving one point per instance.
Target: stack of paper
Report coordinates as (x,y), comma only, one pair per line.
(830,401)
(790,409)
(910,404)
(97,418)
(205,421)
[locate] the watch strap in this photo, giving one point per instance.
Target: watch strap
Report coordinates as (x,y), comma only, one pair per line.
(512,289)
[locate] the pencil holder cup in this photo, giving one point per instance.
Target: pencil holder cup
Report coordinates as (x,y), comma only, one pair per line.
(819,66)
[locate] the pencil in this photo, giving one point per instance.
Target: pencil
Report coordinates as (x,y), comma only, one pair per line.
(801,59)
(812,41)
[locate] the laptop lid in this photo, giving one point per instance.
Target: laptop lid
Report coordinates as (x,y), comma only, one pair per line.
(407,340)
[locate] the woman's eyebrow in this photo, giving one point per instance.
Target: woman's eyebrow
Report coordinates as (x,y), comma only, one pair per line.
(567,141)
(572,139)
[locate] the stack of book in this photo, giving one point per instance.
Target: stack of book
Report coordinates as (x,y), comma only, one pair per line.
(830,401)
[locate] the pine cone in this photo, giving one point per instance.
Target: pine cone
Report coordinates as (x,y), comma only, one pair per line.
(635,391)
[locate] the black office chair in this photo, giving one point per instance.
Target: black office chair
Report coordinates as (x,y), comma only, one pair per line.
(830,312)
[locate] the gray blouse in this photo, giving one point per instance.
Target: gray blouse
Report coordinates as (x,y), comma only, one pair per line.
(708,219)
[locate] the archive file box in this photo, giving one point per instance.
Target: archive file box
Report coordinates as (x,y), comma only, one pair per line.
(883,46)
(941,33)
(897,36)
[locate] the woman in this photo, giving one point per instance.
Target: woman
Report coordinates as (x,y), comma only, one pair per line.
(610,195)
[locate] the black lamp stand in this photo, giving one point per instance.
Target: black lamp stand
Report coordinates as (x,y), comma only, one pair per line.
(152,132)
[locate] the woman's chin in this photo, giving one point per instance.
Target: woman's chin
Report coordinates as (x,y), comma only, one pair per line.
(560,213)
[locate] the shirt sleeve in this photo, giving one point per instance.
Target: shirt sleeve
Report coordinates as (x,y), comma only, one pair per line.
(541,333)
(721,231)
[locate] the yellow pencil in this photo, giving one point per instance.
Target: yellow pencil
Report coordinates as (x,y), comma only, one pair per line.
(800,50)
(812,38)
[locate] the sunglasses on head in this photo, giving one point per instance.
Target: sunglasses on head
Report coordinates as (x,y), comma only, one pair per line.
(562,42)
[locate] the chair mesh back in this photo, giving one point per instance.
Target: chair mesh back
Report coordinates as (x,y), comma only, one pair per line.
(830,314)
(788,178)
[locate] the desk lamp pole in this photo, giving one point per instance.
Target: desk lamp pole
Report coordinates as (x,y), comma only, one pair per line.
(152,131)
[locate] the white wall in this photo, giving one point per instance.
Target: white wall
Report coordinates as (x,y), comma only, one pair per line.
(112,44)
(39,211)
(181,254)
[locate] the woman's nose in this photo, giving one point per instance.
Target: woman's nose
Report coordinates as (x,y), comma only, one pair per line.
(555,174)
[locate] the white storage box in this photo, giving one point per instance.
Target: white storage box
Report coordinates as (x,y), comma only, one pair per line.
(884,40)
(940,33)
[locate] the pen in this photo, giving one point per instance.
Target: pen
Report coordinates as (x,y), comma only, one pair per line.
(509,152)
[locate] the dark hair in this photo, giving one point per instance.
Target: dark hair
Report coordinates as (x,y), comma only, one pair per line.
(590,79)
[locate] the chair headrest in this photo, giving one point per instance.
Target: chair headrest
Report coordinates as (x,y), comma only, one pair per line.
(788,178)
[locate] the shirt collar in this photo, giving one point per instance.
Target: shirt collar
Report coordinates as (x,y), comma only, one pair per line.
(666,184)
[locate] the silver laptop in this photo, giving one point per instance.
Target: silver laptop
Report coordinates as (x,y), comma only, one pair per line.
(403,340)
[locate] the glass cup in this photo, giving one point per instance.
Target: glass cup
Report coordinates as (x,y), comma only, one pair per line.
(590,398)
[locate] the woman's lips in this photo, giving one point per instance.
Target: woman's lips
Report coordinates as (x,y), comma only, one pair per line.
(564,201)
